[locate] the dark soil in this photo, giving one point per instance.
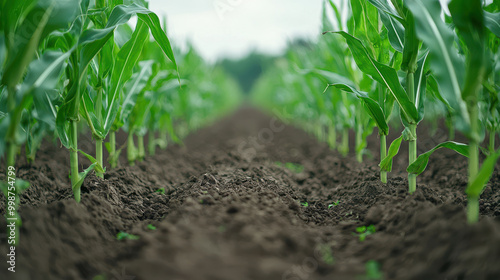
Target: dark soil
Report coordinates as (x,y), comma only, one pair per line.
(230,212)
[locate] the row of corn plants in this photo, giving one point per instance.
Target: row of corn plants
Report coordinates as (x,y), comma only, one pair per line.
(69,67)
(392,64)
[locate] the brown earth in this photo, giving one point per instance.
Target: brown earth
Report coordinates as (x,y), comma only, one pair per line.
(230,212)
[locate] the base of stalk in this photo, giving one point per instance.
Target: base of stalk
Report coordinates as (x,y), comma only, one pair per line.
(472,209)
(412,183)
(383,177)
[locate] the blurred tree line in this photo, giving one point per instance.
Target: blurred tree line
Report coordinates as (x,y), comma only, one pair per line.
(246,70)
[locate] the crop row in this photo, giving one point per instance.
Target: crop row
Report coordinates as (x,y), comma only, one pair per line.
(386,60)
(70,67)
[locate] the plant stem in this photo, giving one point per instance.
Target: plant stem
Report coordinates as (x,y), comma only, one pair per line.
(412,156)
(383,154)
(359,136)
(112,150)
(75,175)
(319,132)
(140,143)
(163,137)
(451,133)
(473,204)
(11,155)
(344,149)
(359,152)
(131,150)
(412,144)
(492,142)
(451,128)
(332,137)
(11,135)
(98,156)
(113,160)
(151,144)
(472,209)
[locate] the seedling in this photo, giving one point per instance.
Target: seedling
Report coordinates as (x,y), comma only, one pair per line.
(123,235)
(336,203)
(151,227)
(305,204)
(160,191)
(294,167)
(364,231)
(326,254)
(373,271)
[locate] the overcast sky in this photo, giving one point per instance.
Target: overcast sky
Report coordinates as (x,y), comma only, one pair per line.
(221,28)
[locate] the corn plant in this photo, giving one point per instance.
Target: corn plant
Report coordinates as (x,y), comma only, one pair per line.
(375,103)
(460,78)
(27,72)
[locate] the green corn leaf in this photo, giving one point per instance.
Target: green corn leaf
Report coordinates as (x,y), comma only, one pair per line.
(62,126)
(492,22)
(447,65)
(476,187)
(383,74)
(385,8)
(363,29)
(42,76)
(44,73)
(134,87)
(337,15)
(386,163)
(116,156)
(126,59)
(329,76)
(433,89)
(4,125)
(122,14)
(468,19)
(371,106)
(420,86)
(419,165)
(83,175)
(395,32)
(92,42)
(411,46)
(24,53)
(90,116)
(11,14)
(3,49)
(167,121)
(20,186)
(42,18)
(92,159)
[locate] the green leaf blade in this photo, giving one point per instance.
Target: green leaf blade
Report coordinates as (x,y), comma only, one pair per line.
(383,74)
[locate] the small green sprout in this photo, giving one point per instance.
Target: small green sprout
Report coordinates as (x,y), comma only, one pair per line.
(364,231)
(334,204)
(373,271)
(294,167)
(151,227)
(160,191)
(123,235)
(305,204)
(326,254)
